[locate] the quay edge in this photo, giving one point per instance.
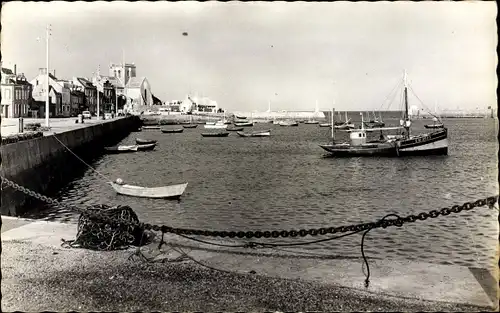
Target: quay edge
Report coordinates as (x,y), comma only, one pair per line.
(43,164)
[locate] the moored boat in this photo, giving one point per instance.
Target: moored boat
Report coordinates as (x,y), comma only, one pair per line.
(150,127)
(359,146)
(243,124)
(325,125)
(288,123)
(435,125)
(172,191)
(434,143)
(172,130)
(190,125)
(262,133)
(121,149)
(216,134)
(216,125)
(146,147)
(140,141)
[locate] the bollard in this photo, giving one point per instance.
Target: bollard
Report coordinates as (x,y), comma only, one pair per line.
(21,124)
(80,118)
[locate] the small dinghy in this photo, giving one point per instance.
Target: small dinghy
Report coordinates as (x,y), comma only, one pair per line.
(121,149)
(150,127)
(217,134)
(172,130)
(140,141)
(172,191)
(190,125)
(243,124)
(263,133)
(146,147)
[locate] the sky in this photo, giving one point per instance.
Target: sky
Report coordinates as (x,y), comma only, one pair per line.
(244,55)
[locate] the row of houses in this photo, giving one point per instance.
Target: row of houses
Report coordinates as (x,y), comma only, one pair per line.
(121,91)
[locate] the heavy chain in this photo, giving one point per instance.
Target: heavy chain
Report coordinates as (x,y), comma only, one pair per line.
(383,223)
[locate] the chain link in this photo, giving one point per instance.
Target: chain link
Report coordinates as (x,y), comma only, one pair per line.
(384,223)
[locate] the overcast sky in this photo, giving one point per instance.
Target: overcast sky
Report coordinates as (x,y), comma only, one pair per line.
(245,54)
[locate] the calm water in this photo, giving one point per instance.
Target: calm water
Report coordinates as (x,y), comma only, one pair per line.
(284,182)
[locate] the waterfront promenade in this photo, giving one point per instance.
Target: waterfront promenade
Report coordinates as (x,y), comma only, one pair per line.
(10,126)
(38,274)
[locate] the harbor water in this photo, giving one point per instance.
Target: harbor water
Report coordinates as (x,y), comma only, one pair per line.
(285,182)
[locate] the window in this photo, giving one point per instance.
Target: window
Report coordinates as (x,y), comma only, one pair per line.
(37,82)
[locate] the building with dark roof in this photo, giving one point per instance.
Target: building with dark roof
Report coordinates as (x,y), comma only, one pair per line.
(16,94)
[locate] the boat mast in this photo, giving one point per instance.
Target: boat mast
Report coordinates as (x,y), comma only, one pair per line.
(406,118)
(332,126)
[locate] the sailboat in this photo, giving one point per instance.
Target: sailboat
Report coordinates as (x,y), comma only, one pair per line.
(434,143)
(375,122)
(313,121)
(436,121)
(344,125)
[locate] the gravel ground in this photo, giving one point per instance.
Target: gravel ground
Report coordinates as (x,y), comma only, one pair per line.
(37,278)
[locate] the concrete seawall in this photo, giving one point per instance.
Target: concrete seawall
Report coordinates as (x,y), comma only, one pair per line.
(43,164)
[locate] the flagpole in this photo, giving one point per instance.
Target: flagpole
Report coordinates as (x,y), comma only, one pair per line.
(47,102)
(97,87)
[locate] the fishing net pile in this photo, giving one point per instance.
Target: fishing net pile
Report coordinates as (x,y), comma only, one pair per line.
(107,228)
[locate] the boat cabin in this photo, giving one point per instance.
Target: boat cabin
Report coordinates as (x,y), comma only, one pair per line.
(358,137)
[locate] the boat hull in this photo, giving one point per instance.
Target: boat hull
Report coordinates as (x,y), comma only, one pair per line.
(235,129)
(435,143)
(140,141)
(434,126)
(225,134)
(256,134)
(121,149)
(243,124)
(173,191)
(190,126)
(146,147)
(172,131)
(208,126)
(385,149)
(150,127)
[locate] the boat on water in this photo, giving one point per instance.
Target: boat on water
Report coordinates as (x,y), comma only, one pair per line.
(434,143)
(216,134)
(344,125)
(190,125)
(216,125)
(375,121)
(436,120)
(288,123)
(325,125)
(172,191)
(434,126)
(140,141)
(146,147)
(121,149)
(172,130)
(358,144)
(234,129)
(241,117)
(261,133)
(150,127)
(243,124)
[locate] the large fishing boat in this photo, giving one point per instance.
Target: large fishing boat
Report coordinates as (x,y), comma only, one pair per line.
(358,144)
(434,143)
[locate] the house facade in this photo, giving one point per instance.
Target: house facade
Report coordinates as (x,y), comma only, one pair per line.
(16,94)
(90,92)
(55,97)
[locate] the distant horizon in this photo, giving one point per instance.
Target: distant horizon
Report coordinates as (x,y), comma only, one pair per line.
(245,55)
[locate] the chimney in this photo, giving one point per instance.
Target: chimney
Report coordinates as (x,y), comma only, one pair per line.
(15,69)
(54,73)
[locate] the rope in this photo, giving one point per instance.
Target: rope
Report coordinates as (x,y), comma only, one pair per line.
(106,178)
